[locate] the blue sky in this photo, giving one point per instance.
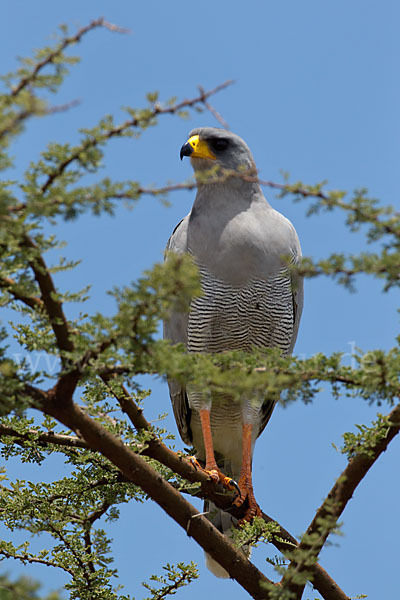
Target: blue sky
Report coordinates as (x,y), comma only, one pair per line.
(316,94)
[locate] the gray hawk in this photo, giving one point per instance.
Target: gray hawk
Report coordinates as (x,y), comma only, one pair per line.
(240,245)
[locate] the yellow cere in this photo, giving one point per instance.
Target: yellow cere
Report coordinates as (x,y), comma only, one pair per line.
(200,148)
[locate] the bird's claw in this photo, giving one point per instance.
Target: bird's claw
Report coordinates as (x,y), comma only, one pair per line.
(252,509)
(232,485)
(195,463)
(216,475)
(212,473)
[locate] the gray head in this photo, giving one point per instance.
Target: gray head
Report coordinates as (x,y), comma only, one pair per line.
(209,147)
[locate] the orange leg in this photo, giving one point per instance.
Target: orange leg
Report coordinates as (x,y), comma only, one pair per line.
(211,465)
(245,481)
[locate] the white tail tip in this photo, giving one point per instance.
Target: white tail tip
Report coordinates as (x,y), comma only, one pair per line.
(215,567)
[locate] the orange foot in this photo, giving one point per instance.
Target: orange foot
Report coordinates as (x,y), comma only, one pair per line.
(215,475)
(246,492)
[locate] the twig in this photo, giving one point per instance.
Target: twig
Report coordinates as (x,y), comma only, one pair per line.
(99,512)
(62,46)
(19,118)
(26,113)
(48,291)
(12,288)
(44,438)
(214,112)
(32,559)
(134,122)
(221,177)
(88,549)
(51,110)
(57,533)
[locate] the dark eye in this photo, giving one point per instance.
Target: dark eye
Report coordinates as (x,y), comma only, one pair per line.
(220,145)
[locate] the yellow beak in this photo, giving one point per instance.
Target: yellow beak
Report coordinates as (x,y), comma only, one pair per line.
(197,148)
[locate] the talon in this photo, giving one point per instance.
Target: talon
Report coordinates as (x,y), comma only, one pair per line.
(252,510)
(195,463)
(231,484)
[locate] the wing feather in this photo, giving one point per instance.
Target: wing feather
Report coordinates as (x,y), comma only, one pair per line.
(175,329)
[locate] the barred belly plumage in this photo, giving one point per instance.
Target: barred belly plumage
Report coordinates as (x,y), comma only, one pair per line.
(257,314)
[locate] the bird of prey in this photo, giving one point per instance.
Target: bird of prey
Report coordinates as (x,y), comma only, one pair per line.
(240,245)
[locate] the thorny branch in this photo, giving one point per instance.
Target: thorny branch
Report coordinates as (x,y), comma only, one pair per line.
(390,226)
(68,41)
(43,438)
(35,110)
(35,106)
(12,288)
(26,558)
(57,533)
(48,291)
(139,472)
(337,499)
(295,189)
(128,124)
(283,541)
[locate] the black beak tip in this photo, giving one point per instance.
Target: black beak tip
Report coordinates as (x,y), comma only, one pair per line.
(186,150)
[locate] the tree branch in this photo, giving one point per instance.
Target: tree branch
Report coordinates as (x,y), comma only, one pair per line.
(34,109)
(88,549)
(155,449)
(283,541)
(44,438)
(336,501)
(68,41)
(130,123)
(48,292)
(214,112)
(85,568)
(12,288)
(24,558)
(99,512)
(139,472)
(68,381)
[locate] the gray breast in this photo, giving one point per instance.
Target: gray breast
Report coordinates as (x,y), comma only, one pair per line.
(257,314)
